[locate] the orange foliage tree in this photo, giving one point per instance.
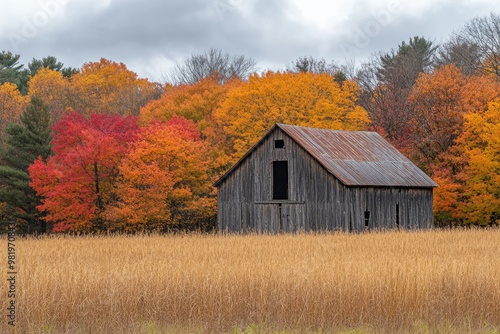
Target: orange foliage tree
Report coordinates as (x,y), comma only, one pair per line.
(196,102)
(12,104)
(53,89)
(109,87)
(443,100)
(305,99)
(437,114)
(164,180)
(478,92)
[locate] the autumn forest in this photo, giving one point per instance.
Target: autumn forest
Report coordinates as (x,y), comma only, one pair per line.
(99,149)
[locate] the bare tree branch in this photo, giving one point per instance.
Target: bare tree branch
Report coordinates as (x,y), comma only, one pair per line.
(482,34)
(213,63)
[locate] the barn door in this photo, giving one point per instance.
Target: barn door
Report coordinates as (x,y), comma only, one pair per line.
(292,217)
(280,217)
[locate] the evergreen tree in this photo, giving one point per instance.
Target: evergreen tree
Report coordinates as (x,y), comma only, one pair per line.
(52,63)
(387,83)
(24,143)
(12,71)
(403,66)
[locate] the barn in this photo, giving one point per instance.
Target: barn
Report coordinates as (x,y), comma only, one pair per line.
(306,179)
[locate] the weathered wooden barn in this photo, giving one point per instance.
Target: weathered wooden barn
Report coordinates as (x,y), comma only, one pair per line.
(306,179)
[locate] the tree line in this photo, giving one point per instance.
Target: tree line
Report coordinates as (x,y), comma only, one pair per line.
(100,149)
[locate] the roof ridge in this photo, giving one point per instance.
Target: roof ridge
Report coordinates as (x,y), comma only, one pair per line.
(280,125)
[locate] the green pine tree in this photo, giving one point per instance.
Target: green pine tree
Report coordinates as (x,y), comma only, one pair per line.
(12,71)
(24,143)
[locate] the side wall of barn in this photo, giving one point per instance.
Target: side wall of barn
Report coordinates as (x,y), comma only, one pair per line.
(391,207)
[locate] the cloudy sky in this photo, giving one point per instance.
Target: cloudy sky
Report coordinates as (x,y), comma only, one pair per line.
(150,36)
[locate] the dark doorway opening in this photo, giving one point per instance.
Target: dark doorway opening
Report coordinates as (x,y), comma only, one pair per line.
(280,179)
(367,219)
(397,215)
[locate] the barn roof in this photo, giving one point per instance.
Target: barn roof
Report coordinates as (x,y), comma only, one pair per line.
(356,158)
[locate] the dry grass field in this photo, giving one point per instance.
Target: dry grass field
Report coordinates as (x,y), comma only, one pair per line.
(406,282)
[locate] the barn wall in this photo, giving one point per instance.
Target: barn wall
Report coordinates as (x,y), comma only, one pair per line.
(415,207)
(325,197)
(317,200)
(245,197)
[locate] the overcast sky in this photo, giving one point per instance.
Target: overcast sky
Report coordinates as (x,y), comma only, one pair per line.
(150,36)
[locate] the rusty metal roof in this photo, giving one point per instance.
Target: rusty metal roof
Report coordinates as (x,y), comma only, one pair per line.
(356,158)
(359,158)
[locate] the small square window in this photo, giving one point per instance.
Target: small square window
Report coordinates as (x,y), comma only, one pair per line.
(279,143)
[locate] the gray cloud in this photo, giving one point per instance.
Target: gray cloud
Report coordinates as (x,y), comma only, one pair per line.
(142,33)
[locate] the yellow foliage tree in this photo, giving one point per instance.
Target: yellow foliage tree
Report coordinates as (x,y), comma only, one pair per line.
(480,144)
(195,102)
(109,87)
(306,99)
(12,104)
(445,101)
(53,89)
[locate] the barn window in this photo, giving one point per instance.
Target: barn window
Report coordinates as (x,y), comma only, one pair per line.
(279,143)
(280,179)
(367,219)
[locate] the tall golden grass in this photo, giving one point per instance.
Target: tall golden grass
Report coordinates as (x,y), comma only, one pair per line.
(374,282)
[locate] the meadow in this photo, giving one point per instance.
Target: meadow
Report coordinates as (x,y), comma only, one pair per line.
(445,281)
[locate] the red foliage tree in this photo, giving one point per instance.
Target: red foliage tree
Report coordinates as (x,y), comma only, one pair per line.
(77,183)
